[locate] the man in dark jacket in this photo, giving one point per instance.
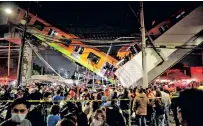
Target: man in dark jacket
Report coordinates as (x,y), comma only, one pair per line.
(174,107)
(124,105)
(114,115)
(81,116)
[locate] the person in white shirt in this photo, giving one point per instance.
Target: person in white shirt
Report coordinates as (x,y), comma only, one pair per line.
(167,100)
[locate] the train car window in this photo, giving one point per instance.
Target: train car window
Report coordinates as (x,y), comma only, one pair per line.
(177,16)
(137,47)
(50,31)
(111,68)
(165,26)
(65,41)
(180,15)
(39,25)
(55,33)
(77,48)
(161,30)
(127,58)
(183,13)
(81,50)
(93,58)
(133,50)
(106,66)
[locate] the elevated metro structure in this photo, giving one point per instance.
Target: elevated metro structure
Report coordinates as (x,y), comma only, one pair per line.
(184,29)
(67,44)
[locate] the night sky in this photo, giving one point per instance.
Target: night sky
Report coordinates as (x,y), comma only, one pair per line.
(113,14)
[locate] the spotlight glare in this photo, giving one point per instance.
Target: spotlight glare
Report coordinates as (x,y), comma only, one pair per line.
(8,10)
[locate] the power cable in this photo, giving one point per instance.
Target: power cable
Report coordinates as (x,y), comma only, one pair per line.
(91,41)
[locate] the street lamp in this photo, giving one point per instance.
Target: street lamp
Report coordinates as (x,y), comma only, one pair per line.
(8,10)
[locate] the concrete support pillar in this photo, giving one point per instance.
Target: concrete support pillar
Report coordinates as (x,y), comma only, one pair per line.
(27,64)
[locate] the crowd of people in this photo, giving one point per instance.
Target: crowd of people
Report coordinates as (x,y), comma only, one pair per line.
(45,105)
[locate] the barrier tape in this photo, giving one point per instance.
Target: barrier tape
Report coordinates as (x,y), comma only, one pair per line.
(47,101)
(129,110)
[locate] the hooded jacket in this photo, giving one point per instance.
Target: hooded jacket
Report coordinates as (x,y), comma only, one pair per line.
(140,104)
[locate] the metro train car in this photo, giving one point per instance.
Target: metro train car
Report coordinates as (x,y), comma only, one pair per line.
(156,31)
(89,57)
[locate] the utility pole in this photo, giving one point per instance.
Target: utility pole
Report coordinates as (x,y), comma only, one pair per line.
(9,50)
(202,60)
(19,74)
(9,56)
(144,54)
(93,82)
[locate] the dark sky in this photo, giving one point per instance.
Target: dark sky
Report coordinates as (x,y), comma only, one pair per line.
(113,14)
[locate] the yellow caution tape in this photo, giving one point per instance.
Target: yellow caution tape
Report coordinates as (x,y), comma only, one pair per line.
(32,101)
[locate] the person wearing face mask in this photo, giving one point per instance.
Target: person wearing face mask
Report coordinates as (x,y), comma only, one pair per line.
(99,118)
(19,111)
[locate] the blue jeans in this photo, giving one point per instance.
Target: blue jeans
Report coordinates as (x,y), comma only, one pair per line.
(141,120)
(126,116)
(153,119)
(167,116)
(160,120)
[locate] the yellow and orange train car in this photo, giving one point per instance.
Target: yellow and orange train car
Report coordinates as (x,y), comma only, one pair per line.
(69,45)
(156,31)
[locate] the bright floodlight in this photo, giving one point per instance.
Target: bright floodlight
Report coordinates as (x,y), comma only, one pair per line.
(8,10)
